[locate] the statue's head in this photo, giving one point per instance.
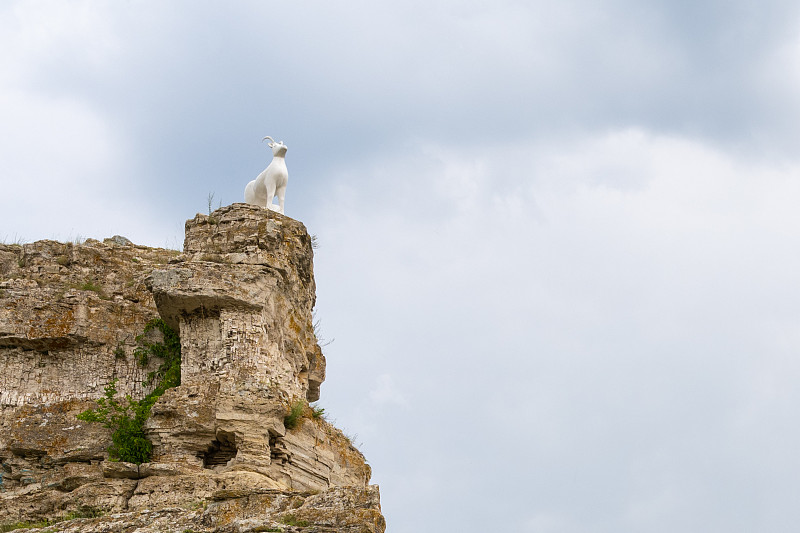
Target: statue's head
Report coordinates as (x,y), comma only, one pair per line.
(278,148)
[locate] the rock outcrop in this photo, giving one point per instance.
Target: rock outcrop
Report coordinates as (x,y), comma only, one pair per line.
(241,297)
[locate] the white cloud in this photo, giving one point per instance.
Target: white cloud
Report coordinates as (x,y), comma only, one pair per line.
(385,392)
(597,320)
(622,318)
(68,173)
(549,523)
(37,36)
(69,167)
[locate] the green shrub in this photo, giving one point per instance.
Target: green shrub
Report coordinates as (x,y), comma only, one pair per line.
(317,412)
(300,409)
(295,414)
(168,350)
(126,418)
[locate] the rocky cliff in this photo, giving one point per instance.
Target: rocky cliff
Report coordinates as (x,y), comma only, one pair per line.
(225,456)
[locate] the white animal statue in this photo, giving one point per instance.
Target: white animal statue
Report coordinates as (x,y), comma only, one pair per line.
(271,182)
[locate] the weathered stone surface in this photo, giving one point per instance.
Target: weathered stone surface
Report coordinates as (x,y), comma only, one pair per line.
(339,510)
(316,455)
(69,314)
(74,475)
(268,279)
(120,470)
(241,296)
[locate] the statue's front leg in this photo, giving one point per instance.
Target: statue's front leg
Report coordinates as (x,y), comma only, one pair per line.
(281,199)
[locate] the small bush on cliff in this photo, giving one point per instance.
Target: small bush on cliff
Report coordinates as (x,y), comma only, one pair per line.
(126,418)
(295,414)
(300,409)
(317,412)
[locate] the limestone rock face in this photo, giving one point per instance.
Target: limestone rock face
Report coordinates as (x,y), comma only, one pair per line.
(69,315)
(241,296)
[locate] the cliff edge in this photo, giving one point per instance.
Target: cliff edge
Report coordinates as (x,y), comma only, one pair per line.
(235,447)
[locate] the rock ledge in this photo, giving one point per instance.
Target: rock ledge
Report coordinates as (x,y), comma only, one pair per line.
(241,295)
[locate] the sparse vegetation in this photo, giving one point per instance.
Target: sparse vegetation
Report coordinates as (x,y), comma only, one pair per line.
(317,412)
(196,505)
(84,511)
(168,350)
(23,525)
(119,351)
(92,286)
(63,260)
(214,258)
(16,241)
(291,520)
(211,203)
(126,418)
(352,439)
(317,325)
(81,512)
(295,414)
(300,409)
(210,199)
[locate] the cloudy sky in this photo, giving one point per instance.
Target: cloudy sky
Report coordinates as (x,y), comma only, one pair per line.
(559,240)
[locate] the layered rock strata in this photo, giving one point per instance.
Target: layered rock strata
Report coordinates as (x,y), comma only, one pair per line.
(241,296)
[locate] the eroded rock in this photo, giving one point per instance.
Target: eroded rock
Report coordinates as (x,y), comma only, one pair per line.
(241,296)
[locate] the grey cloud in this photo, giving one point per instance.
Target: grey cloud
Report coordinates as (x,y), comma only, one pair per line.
(195,85)
(552,225)
(604,364)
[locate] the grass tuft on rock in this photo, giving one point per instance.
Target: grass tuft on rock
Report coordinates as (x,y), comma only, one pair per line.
(295,415)
(291,520)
